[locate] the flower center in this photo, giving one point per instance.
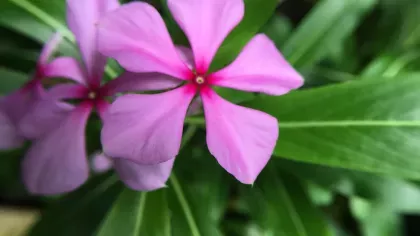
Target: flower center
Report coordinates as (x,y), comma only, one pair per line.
(92,95)
(200,80)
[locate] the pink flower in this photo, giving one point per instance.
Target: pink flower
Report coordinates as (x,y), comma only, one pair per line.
(147,129)
(14,106)
(57,160)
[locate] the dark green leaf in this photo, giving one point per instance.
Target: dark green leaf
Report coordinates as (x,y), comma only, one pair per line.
(398,195)
(368,125)
(280,206)
(80,212)
(325,28)
(257,13)
(376,219)
(197,194)
(11,80)
(138,214)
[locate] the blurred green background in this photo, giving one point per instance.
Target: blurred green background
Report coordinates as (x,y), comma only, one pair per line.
(347,161)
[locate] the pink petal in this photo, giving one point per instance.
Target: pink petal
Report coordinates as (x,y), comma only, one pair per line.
(143,177)
(137,82)
(9,136)
(65,67)
(57,162)
(68,91)
(101,163)
(44,116)
(135,35)
(259,68)
(82,18)
(206,24)
(49,48)
(241,139)
(17,104)
(145,128)
(102,107)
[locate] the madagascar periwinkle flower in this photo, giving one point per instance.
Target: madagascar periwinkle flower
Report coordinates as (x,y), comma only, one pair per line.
(147,128)
(57,160)
(14,106)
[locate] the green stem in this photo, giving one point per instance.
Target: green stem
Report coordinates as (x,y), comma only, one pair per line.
(195,121)
(184,205)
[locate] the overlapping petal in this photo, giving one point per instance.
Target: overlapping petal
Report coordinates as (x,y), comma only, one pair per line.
(9,136)
(143,177)
(82,18)
(241,139)
(17,104)
(206,24)
(259,68)
(68,91)
(56,163)
(146,129)
(44,116)
(136,36)
(137,82)
(66,67)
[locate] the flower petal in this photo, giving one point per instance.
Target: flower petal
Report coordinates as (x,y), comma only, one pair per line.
(68,91)
(44,116)
(143,177)
(259,68)
(17,104)
(9,136)
(82,18)
(57,162)
(135,35)
(241,139)
(65,67)
(137,82)
(145,128)
(49,48)
(206,24)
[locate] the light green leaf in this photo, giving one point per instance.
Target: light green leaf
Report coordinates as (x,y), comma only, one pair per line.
(80,212)
(369,125)
(326,26)
(280,206)
(138,214)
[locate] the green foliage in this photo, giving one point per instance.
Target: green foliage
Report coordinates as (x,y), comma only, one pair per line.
(352,132)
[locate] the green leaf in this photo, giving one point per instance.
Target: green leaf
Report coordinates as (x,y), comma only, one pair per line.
(369,125)
(257,13)
(197,193)
(376,219)
(325,28)
(280,206)
(11,80)
(80,212)
(137,214)
(390,65)
(38,20)
(278,29)
(398,195)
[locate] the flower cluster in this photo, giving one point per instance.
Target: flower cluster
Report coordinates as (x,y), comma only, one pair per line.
(142,132)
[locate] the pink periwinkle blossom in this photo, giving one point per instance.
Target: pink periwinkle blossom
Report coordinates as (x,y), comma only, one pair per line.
(14,106)
(147,128)
(57,160)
